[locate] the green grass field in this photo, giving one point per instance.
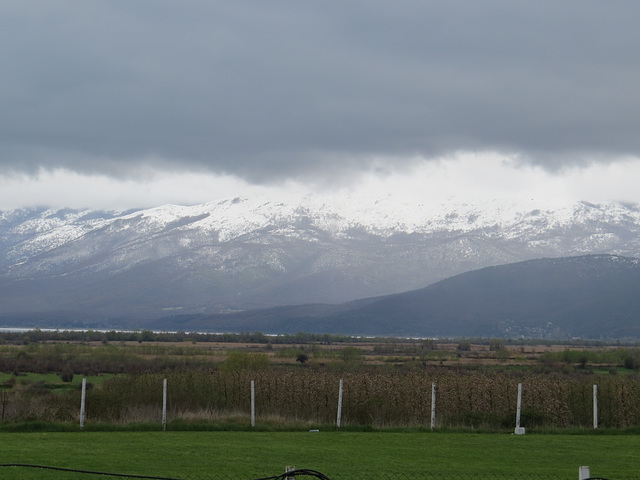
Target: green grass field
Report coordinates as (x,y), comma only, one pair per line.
(340,455)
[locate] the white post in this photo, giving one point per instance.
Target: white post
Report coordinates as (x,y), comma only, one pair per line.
(253,404)
(519,430)
(433,406)
(82,401)
(595,406)
(583,473)
(519,406)
(290,468)
(164,405)
(339,405)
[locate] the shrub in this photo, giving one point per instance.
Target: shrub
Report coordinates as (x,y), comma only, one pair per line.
(351,354)
(238,360)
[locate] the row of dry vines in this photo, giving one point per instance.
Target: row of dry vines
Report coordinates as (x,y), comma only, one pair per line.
(464,399)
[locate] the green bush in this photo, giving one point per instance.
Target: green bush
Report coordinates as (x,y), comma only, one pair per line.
(240,360)
(351,354)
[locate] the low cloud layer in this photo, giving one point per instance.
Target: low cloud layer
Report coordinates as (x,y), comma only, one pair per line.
(281,90)
(466,177)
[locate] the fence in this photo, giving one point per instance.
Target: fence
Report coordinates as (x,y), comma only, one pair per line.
(442,399)
(518,416)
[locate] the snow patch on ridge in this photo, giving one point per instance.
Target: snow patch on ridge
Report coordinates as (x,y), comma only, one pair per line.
(338,216)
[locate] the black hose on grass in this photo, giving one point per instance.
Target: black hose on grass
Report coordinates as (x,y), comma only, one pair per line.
(292,473)
(89,472)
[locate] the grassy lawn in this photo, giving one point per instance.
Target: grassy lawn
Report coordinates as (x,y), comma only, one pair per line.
(340,455)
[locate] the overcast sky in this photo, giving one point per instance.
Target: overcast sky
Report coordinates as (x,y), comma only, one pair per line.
(124,103)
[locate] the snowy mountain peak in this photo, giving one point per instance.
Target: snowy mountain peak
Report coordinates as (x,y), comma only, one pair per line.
(258,251)
(384,216)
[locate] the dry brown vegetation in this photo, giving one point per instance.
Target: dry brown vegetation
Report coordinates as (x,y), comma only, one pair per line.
(387,383)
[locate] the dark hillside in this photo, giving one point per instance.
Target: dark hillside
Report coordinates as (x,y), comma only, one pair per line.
(594,296)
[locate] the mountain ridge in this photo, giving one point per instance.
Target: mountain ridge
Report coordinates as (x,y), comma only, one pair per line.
(591,296)
(250,253)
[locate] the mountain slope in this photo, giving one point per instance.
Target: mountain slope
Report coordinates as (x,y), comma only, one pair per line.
(241,254)
(587,296)
(594,296)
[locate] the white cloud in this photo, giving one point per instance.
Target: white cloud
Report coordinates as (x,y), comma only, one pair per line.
(65,188)
(466,176)
(605,181)
(470,176)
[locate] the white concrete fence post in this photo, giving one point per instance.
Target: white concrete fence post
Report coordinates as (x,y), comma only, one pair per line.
(519,430)
(433,406)
(253,404)
(164,405)
(595,406)
(339,419)
(82,401)
(583,473)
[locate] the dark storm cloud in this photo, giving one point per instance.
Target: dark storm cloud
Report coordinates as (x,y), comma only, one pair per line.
(265,89)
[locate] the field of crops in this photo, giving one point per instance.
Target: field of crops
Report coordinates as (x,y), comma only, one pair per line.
(297,387)
(389,399)
(466,398)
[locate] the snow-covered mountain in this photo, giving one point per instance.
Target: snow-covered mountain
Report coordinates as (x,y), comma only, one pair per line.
(244,253)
